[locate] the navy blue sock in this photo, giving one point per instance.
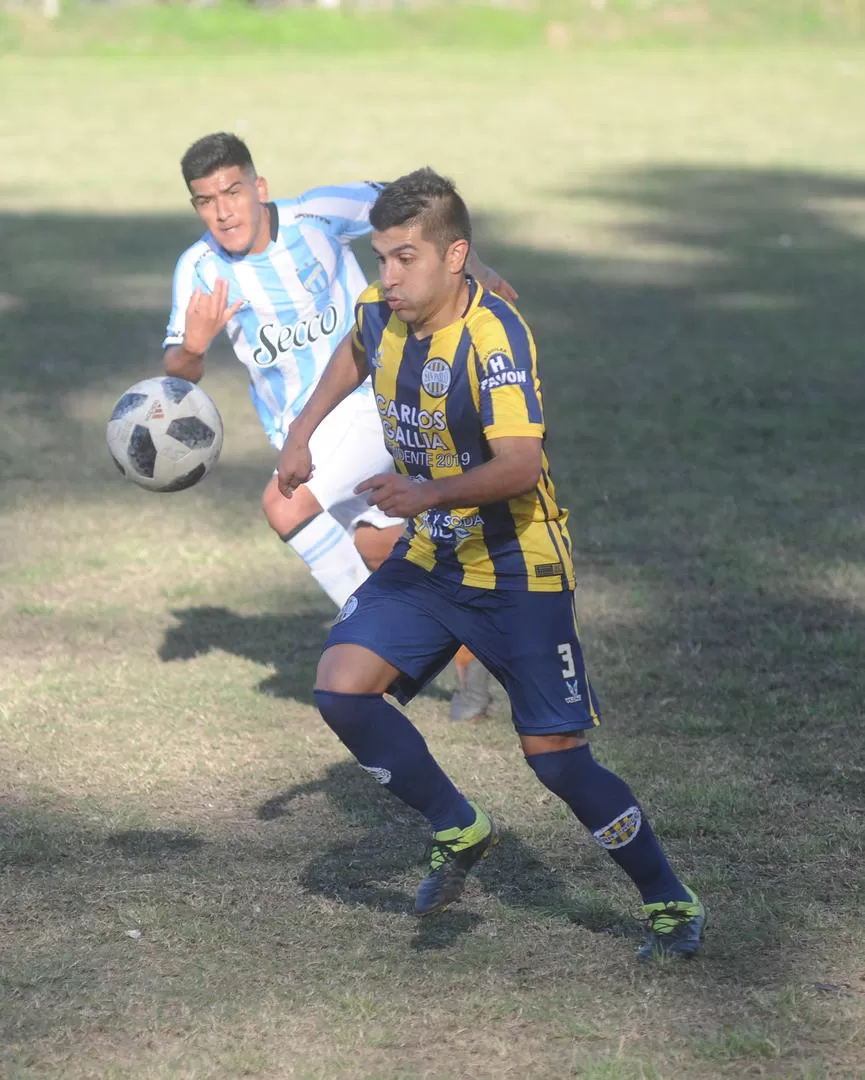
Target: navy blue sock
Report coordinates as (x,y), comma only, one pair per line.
(605,804)
(391,749)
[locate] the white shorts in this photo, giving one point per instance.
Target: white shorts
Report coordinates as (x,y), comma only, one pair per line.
(348,447)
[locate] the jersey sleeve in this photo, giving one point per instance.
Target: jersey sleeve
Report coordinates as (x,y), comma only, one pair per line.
(506,369)
(372,294)
(341,211)
(185,283)
(357,332)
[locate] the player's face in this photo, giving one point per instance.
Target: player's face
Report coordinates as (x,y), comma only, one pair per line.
(230,202)
(417,280)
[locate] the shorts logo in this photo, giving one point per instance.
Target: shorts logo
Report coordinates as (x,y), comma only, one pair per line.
(313,277)
(574,694)
(347,609)
(436,377)
(377,773)
(621,830)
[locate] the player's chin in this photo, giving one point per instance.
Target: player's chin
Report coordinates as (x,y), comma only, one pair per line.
(235,243)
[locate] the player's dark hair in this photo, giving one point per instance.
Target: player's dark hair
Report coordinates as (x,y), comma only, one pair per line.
(431,200)
(220,150)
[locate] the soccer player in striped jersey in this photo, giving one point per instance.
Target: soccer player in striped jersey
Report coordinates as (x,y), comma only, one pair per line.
(486,559)
(281,279)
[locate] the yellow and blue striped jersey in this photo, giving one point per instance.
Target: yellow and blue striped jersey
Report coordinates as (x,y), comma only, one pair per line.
(441,399)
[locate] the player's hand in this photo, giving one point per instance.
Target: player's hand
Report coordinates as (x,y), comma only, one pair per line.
(295,466)
(206,315)
(490,279)
(497,284)
(395,495)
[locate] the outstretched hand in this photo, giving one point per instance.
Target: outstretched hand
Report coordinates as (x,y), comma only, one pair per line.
(206,315)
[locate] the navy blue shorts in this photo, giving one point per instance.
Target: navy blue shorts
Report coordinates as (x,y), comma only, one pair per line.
(527,640)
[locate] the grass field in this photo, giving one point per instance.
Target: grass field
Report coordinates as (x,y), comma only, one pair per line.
(196,881)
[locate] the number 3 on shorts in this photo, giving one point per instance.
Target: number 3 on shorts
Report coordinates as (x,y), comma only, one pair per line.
(567,655)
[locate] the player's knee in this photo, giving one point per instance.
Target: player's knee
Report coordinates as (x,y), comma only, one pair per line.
(552,760)
(352,669)
(342,712)
(288,516)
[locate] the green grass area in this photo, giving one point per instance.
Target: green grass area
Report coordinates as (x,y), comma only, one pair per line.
(195,881)
(560,25)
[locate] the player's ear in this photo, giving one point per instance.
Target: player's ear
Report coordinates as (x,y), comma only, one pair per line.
(261,188)
(456,255)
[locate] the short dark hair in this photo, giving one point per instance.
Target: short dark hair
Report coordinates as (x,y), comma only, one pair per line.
(431,200)
(217,151)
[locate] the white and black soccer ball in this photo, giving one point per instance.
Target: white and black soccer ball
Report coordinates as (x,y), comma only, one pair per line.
(165,434)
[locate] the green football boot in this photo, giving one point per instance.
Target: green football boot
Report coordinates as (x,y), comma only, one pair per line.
(453,853)
(675,928)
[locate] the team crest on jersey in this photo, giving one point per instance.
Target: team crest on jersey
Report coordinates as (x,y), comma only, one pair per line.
(436,377)
(313,277)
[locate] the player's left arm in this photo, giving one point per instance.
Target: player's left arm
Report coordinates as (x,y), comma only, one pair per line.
(515,469)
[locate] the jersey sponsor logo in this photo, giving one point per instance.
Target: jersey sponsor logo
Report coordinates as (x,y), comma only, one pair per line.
(442,525)
(313,217)
(275,339)
(313,277)
(503,378)
(406,425)
(498,361)
(436,377)
(376,361)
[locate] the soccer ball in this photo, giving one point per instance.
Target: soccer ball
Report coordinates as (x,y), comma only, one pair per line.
(165,434)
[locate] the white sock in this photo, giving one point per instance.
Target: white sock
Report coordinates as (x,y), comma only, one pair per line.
(331,556)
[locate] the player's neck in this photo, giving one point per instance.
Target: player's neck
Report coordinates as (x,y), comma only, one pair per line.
(452,308)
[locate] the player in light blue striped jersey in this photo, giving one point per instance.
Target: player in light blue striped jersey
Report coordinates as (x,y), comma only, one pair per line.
(281,279)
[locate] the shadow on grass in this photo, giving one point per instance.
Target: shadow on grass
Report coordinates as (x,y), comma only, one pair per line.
(358,871)
(290,644)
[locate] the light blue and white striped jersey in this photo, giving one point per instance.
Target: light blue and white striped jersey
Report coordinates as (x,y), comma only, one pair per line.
(300,295)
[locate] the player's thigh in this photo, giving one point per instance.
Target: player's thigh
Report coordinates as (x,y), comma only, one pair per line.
(285,515)
(530,642)
(396,616)
(353,669)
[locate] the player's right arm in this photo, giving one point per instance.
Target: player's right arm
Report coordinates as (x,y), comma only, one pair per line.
(346,370)
(198,312)
(206,314)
